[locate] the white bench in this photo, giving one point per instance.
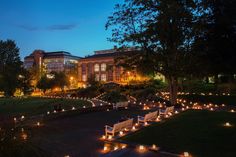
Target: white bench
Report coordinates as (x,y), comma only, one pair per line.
(120,104)
(148,117)
(118,127)
(166,111)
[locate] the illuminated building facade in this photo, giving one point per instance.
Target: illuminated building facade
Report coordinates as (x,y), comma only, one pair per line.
(102,67)
(46,62)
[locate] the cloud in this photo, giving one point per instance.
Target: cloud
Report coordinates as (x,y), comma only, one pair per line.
(59,27)
(29,28)
(62,27)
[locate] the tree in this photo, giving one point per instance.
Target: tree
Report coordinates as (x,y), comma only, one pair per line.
(60,80)
(10,66)
(218,37)
(45,83)
(25,81)
(163,30)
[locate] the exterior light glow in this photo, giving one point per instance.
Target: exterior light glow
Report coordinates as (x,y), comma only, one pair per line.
(186,154)
(227,124)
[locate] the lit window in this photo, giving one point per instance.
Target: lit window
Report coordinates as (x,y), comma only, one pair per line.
(103,77)
(96,67)
(97,77)
(84,78)
(103,67)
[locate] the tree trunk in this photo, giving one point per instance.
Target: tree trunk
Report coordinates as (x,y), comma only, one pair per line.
(173,87)
(216,79)
(231,83)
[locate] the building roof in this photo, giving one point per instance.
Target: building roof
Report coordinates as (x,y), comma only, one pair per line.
(59,54)
(110,53)
(53,54)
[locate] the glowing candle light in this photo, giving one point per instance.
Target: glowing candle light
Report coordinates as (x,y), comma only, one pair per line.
(154,147)
(38,123)
(73,108)
(141,147)
(24,136)
(227,124)
(116,147)
(186,154)
(48,112)
(105,148)
(104,137)
(133,128)
(109,137)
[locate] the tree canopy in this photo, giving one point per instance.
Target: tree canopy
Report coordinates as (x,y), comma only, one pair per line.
(163,30)
(10,67)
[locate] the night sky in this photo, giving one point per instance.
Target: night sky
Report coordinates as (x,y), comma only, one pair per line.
(76,26)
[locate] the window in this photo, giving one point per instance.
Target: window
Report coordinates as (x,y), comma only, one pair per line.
(97,77)
(96,67)
(103,67)
(103,77)
(84,78)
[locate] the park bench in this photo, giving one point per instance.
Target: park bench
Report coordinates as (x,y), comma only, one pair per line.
(166,111)
(148,117)
(127,124)
(120,104)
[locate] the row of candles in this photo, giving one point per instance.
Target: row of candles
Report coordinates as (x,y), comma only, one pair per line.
(204,94)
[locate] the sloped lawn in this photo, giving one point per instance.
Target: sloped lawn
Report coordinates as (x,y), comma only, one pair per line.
(199,132)
(35,105)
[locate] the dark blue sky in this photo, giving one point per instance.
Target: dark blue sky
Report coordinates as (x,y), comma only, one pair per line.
(76,26)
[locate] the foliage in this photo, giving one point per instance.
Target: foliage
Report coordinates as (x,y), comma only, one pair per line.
(114,97)
(217,37)
(89,92)
(10,67)
(60,80)
(164,32)
(25,79)
(45,83)
(143,94)
(92,81)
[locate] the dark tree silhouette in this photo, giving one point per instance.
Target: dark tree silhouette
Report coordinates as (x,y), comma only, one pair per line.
(163,30)
(10,67)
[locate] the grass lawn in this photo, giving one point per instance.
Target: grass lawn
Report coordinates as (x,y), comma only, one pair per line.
(35,105)
(199,132)
(221,99)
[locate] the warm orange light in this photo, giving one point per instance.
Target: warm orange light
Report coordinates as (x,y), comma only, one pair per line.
(186,154)
(38,123)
